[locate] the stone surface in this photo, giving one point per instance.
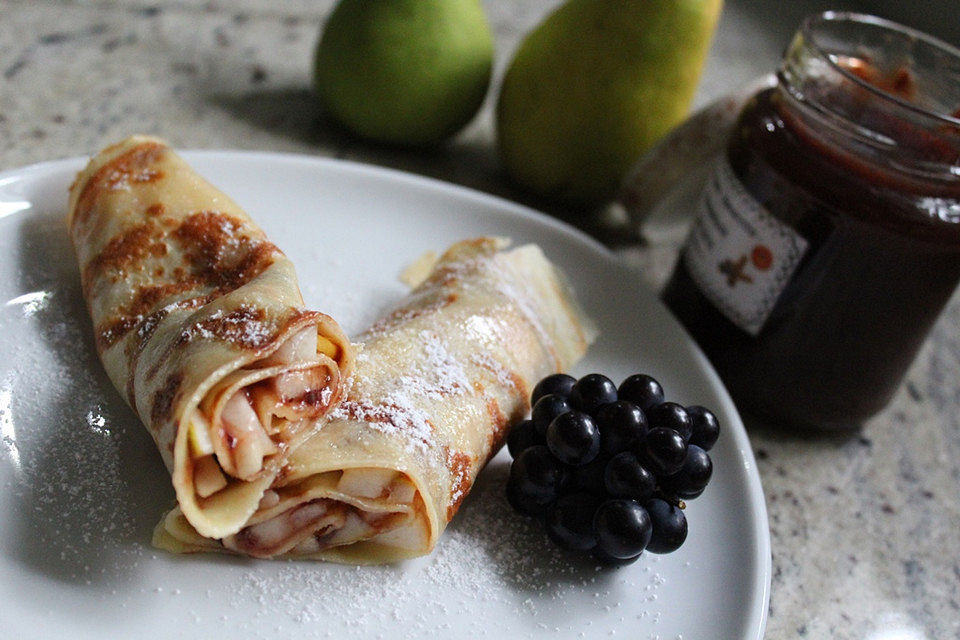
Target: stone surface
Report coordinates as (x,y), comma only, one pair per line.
(863,524)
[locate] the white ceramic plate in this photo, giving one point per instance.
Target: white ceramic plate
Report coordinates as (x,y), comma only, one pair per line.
(81,485)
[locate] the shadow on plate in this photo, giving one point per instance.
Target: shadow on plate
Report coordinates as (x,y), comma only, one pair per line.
(88,483)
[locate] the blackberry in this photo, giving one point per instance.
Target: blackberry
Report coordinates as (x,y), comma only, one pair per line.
(536,480)
(669,526)
(625,477)
(605,468)
(692,478)
(570,521)
(663,451)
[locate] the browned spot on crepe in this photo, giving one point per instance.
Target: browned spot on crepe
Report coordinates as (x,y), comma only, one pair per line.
(521,386)
(145,330)
(219,254)
(164,400)
(516,381)
(144,301)
(458,464)
(246,327)
(499,424)
(131,167)
(125,252)
(243,327)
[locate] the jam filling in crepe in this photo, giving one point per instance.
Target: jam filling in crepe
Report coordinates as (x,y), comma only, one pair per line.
(437,383)
(200,324)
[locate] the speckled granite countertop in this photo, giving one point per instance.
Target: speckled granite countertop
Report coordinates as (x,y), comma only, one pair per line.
(864,525)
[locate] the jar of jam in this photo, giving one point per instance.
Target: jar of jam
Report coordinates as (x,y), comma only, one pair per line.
(828,236)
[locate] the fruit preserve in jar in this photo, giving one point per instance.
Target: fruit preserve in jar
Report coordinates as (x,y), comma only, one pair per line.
(828,236)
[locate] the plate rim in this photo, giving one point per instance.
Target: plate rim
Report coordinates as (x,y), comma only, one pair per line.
(759,610)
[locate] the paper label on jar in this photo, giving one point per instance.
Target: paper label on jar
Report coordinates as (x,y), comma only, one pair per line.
(739,255)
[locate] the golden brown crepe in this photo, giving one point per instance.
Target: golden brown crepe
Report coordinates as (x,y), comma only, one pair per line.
(436,385)
(201,326)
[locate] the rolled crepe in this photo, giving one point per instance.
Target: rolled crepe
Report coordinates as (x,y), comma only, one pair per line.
(201,326)
(437,384)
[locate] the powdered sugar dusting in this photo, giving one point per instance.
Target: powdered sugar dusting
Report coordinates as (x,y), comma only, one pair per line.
(397,411)
(394,414)
(74,460)
(413,309)
(245,326)
(146,326)
(66,439)
(31,302)
(494,575)
(325,394)
(8,434)
(437,375)
(504,283)
(494,366)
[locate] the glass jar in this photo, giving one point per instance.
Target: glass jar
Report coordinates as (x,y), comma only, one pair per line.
(828,237)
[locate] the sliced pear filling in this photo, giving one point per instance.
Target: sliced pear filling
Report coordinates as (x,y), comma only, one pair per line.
(300,346)
(294,394)
(281,533)
(238,440)
(245,442)
(200,442)
(412,535)
(402,490)
(207,476)
(269,500)
(323,523)
(327,348)
(366,482)
(355,527)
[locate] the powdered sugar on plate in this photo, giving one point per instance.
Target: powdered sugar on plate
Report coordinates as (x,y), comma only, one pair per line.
(65,433)
(489,560)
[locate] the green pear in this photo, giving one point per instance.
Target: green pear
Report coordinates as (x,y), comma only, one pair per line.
(595,85)
(408,72)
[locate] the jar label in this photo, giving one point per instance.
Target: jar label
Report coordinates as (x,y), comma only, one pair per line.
(739,255)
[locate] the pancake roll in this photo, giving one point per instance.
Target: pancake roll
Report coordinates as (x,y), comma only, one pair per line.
(200,324)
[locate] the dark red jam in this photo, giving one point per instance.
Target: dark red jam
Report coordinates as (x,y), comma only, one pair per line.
(881,227)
